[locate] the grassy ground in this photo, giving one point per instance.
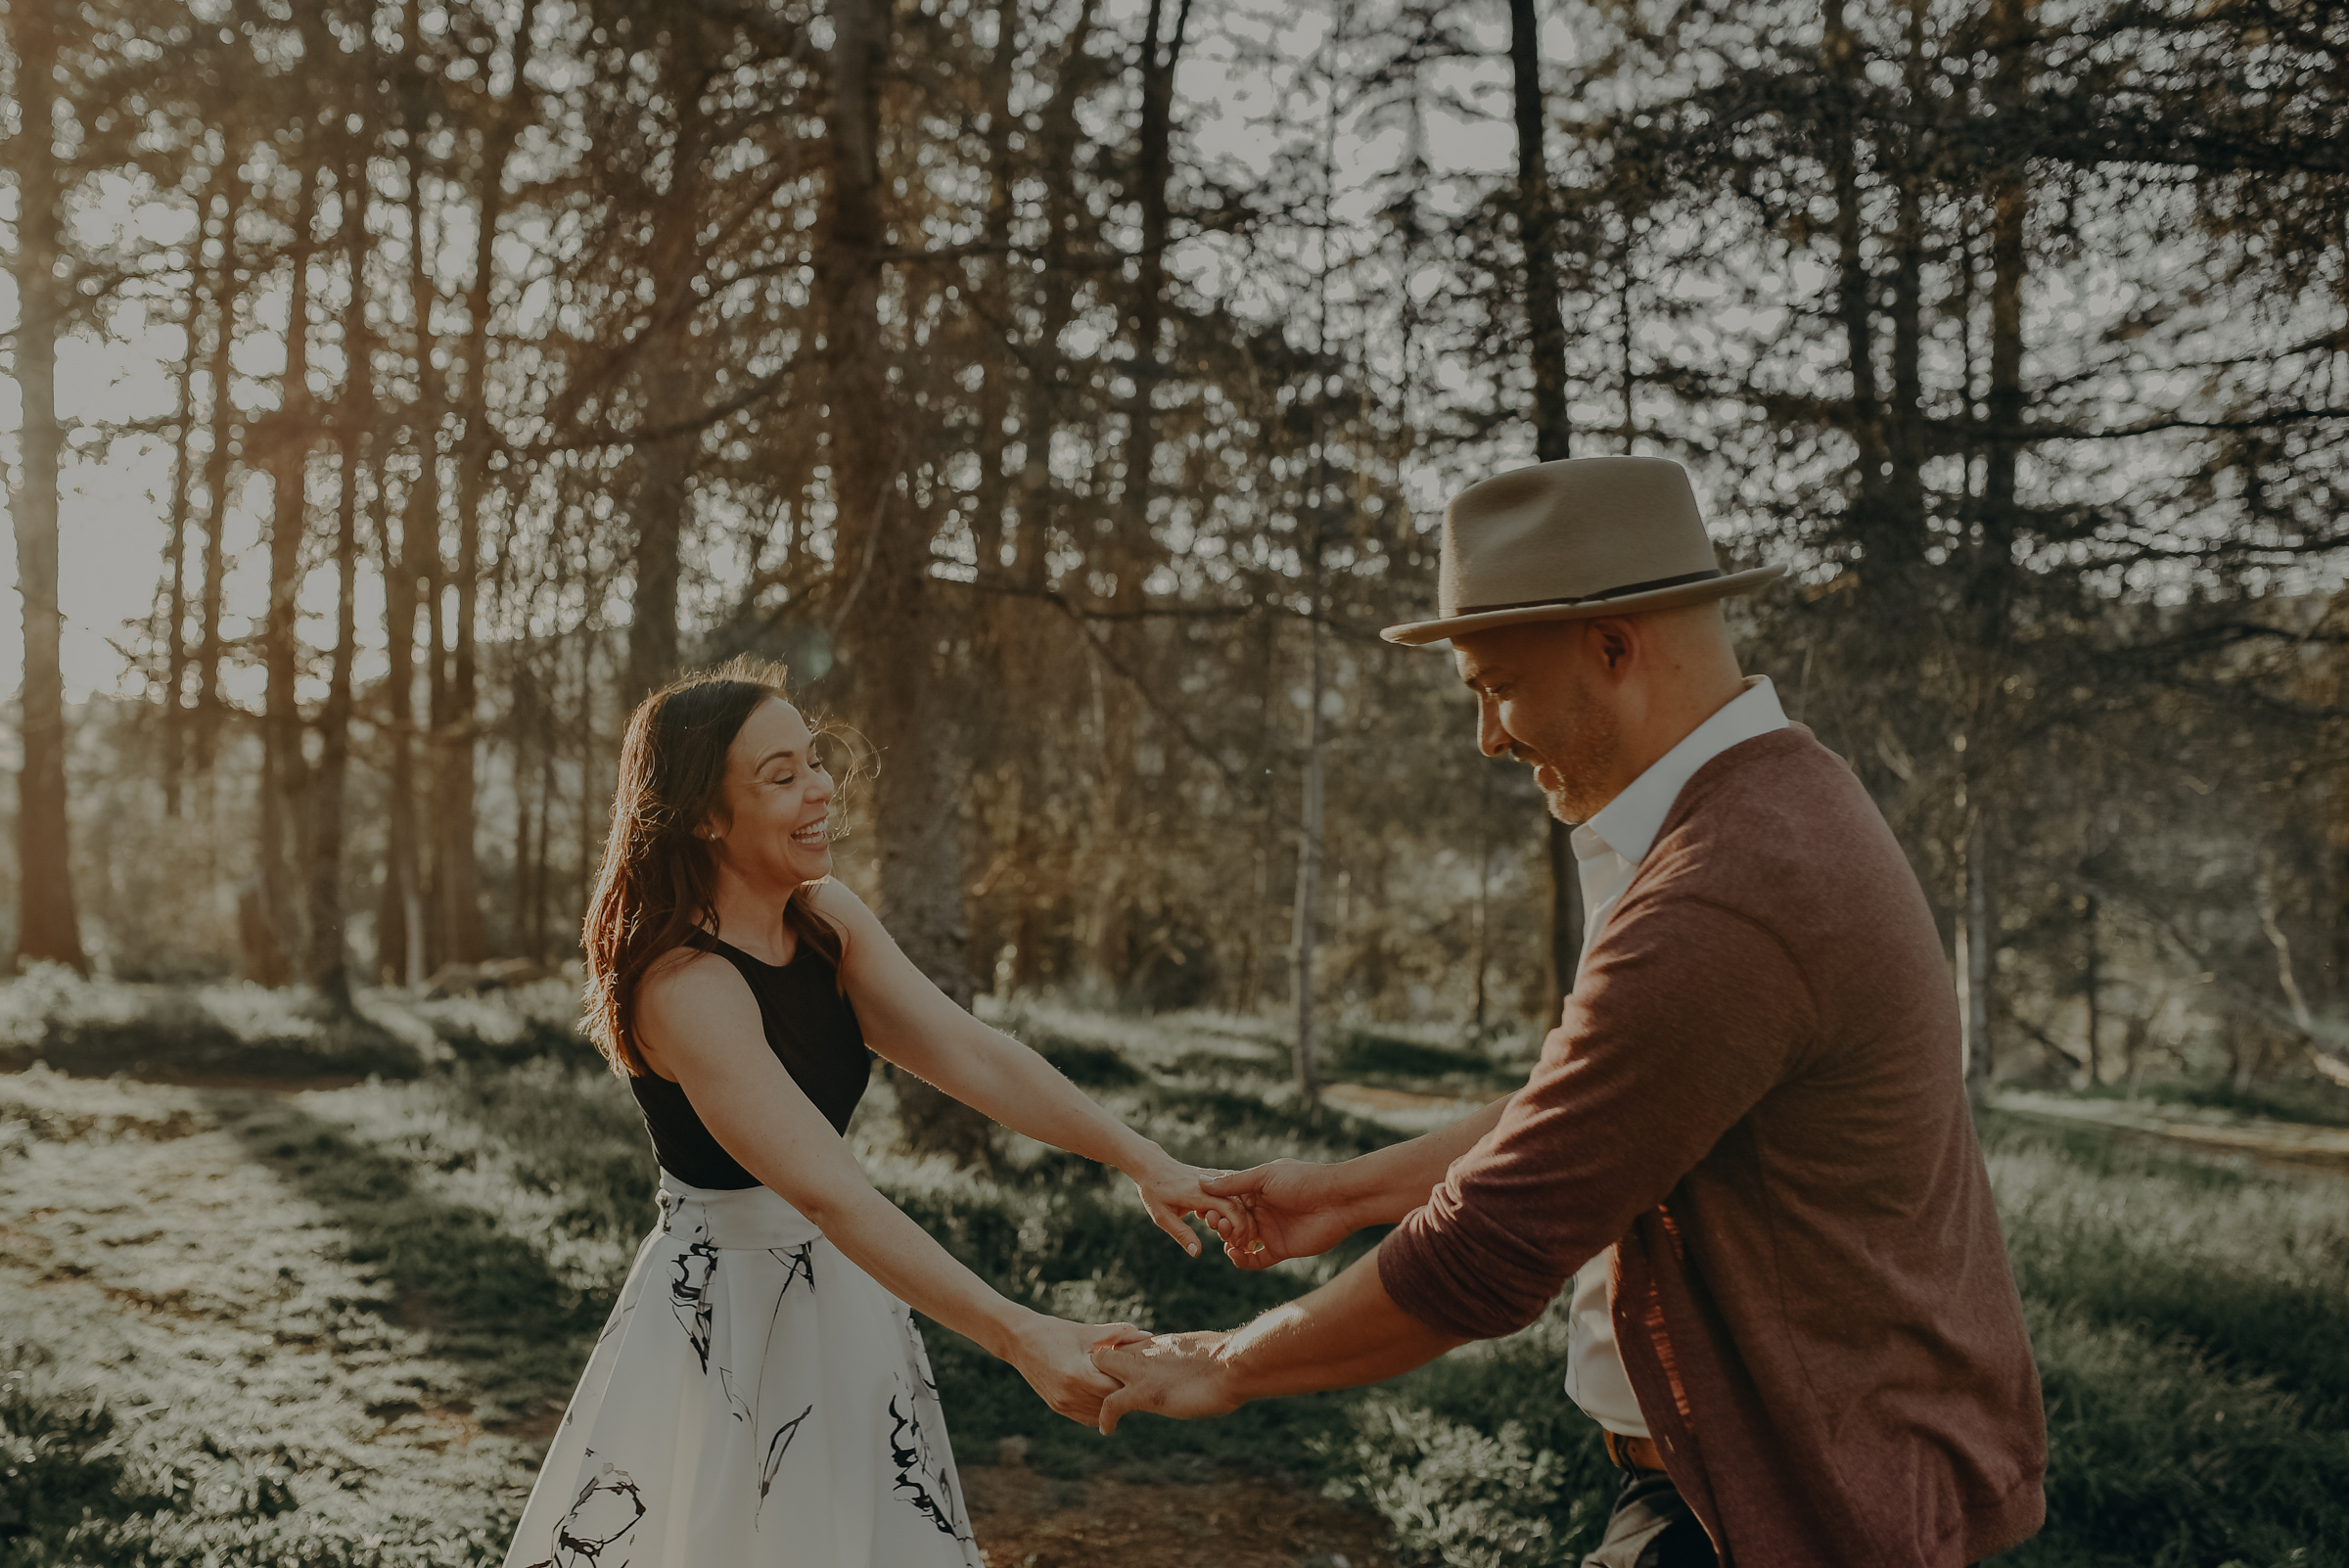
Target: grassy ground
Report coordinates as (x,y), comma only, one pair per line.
(335,1326)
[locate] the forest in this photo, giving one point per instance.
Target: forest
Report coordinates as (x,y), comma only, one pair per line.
(1067,391)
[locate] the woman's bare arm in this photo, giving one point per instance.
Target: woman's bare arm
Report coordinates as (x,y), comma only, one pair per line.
(1301,1209)
(913,1024)
(700,1025)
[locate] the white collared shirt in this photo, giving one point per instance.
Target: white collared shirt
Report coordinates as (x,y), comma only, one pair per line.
(1607,852)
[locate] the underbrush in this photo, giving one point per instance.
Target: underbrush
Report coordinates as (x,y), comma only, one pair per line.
(450,1243)
(2310,1101)
(232,1032)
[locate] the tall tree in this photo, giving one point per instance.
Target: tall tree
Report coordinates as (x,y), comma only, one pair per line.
(218,460)
(679,201)
(1538,232)
(887,617)
(47,927)
(411,563)
(327,961)
(273,923)
(175,550)
(456,738)
(1989,586)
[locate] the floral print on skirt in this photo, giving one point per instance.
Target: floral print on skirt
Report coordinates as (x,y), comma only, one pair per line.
(755,1398)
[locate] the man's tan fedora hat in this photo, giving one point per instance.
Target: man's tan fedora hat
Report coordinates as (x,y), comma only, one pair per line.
(1572,539)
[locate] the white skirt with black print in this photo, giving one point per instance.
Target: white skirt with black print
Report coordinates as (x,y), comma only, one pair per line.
(755,1398)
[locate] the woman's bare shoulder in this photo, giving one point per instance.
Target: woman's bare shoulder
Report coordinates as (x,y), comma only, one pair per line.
(689,980)
(837,902)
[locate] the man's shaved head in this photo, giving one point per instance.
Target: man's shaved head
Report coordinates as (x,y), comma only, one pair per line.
(1592,703)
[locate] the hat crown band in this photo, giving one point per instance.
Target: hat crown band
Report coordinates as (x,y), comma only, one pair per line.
(1620,591)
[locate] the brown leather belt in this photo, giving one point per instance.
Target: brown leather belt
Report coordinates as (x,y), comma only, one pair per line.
(1635,1454)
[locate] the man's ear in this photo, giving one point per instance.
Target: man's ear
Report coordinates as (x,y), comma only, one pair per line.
(1613,641)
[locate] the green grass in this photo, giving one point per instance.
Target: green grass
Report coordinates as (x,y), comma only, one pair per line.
(1385,1060)
(333,1326)
(2188,1317)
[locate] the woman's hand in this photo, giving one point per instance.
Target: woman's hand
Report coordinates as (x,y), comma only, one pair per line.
(1295,1210)
(1056,1357)
(1171,1190)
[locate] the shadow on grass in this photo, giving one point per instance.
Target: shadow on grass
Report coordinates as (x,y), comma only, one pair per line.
(2282,1330)
(1365,1056)
(1236,1116)
(180,1043)
(1077,1252)
(60,1468)
(449,1270)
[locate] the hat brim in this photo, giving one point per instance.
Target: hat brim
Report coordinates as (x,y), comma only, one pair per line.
(1418,633)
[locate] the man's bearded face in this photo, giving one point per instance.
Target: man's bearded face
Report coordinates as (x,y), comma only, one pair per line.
(1540,700)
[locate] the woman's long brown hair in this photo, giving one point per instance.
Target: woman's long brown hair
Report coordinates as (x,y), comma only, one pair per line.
(660,882)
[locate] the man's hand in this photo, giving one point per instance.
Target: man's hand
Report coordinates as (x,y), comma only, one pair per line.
(1349,1332)
(1173,1374)
(1171,1189)
(1056,1358)
(1300,1211)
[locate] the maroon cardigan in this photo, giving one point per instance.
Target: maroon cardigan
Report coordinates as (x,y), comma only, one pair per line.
(1755,1094)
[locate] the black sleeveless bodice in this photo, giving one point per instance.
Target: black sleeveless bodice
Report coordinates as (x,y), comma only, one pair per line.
(812,1030)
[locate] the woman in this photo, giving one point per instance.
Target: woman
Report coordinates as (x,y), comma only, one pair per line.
(761,1394)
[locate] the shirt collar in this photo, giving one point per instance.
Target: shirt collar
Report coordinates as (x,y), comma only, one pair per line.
(1629,823)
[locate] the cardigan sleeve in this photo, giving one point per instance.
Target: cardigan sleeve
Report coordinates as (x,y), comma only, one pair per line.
(1684,1016)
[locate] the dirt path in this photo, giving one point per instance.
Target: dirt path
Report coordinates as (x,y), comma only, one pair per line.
(1026,1520)
(1400,1109)
(2287,1146)
(149,1264)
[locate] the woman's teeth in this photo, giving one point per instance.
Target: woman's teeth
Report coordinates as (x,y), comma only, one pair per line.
(811,836)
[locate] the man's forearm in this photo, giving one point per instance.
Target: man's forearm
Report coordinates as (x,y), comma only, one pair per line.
(1385,1186)
(1348,1333)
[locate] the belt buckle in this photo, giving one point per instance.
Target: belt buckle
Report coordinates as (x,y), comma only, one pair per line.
(1620,1453)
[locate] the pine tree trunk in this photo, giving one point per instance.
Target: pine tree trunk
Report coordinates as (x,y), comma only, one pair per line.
(1128,555)
(217,468)
(662,491)
(1307,910)
(457,874)
(403,943)
(1552,430)
(1990,582)
(1980,959)
(541,868)
(175,546)
(886,624)
(47,927)
(2093,990)
(995,363)
(273,938)
(2009,210)
(398,925)
(1843,72)
(1902,539)
(1538,228)
(327,963)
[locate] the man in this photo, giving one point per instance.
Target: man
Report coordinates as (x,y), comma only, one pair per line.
(1746,1145)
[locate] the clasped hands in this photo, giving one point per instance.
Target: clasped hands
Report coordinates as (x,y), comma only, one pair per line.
(1096,1373)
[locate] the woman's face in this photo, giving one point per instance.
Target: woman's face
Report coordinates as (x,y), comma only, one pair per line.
(771,827)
